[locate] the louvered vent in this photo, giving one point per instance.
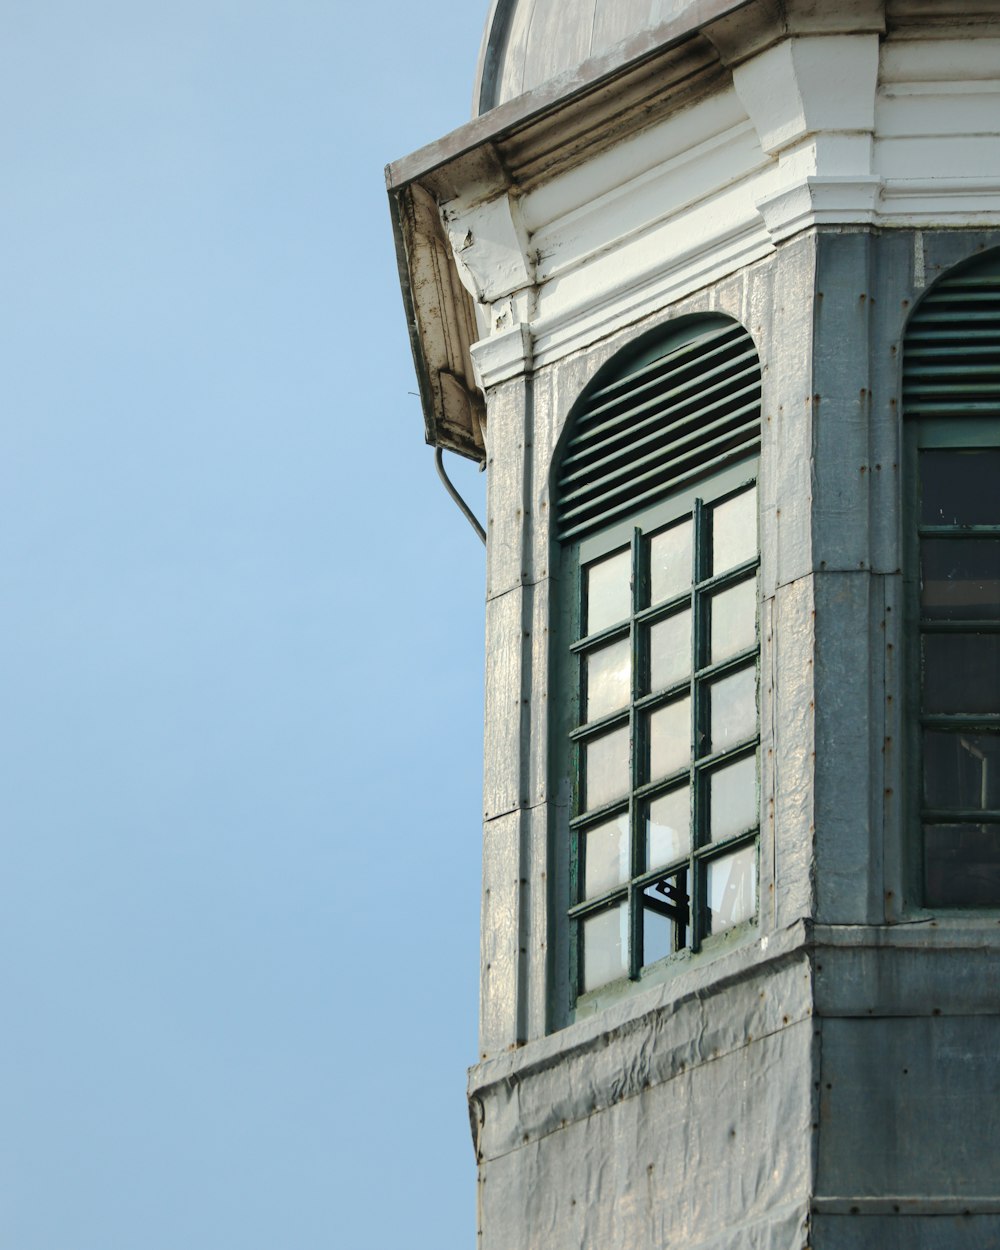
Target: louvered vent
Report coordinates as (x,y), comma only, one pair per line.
(951,363)
(661,424)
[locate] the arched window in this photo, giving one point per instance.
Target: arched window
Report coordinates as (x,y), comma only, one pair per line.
(656,513)
(951,405)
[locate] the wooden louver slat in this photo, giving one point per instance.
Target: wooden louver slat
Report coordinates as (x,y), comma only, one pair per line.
(951,361)
(659,425)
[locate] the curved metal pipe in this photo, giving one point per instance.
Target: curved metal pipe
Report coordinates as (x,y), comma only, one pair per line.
(467,512)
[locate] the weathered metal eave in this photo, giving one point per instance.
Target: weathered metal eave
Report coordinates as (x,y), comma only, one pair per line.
(402,268)
(591,78)
(440,315)
(550,129)
(440,319)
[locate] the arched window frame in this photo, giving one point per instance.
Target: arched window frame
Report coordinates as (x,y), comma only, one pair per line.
(664,901)
(951,412)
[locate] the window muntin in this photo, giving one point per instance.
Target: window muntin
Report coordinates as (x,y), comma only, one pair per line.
(958,615)
(951,406)
(665,814)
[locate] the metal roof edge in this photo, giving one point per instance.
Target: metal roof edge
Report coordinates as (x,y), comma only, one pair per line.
(568,88)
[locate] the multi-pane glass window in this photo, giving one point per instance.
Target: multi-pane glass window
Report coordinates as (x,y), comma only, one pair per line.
(664,830)
(951,404)
(656,725)
(959,628)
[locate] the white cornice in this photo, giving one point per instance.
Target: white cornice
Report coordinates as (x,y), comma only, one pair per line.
(610,307)
(502,357)
(560,224)
(490,246)
(819,201)
(806,86)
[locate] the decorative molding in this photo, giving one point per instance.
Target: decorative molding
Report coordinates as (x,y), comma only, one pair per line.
(669,181)
(581,323)
(590,206)
(442,328)
(809,85)
(490,246)
(937,199)
(819,201)
(502,356)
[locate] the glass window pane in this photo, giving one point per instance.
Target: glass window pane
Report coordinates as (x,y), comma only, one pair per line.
(665,916)
(605,850)
(606,768)
(961,672)
(609,592)
(605,947)
(670,651)
(668,827)
(657,936)
(961,770)
(608,678)
(733,798)
(960,578)
(734,531)
(669,738)
(960,487)
(670,562)
(962,865)
(733,705)
(731,882)
(734,620)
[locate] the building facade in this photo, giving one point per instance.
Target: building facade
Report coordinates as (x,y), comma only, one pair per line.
(713,290)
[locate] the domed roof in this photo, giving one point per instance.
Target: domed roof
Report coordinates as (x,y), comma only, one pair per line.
(527,42)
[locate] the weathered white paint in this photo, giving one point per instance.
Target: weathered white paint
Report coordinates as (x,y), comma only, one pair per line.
(726,1101)
(815,130)
(490,245)
(810,85)
(502,356)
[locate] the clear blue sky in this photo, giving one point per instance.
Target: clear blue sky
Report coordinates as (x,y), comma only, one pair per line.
(240,640)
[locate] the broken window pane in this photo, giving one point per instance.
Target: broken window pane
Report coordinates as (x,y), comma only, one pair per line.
(665,918)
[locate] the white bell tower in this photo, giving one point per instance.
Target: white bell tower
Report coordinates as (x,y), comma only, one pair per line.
(713,289)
